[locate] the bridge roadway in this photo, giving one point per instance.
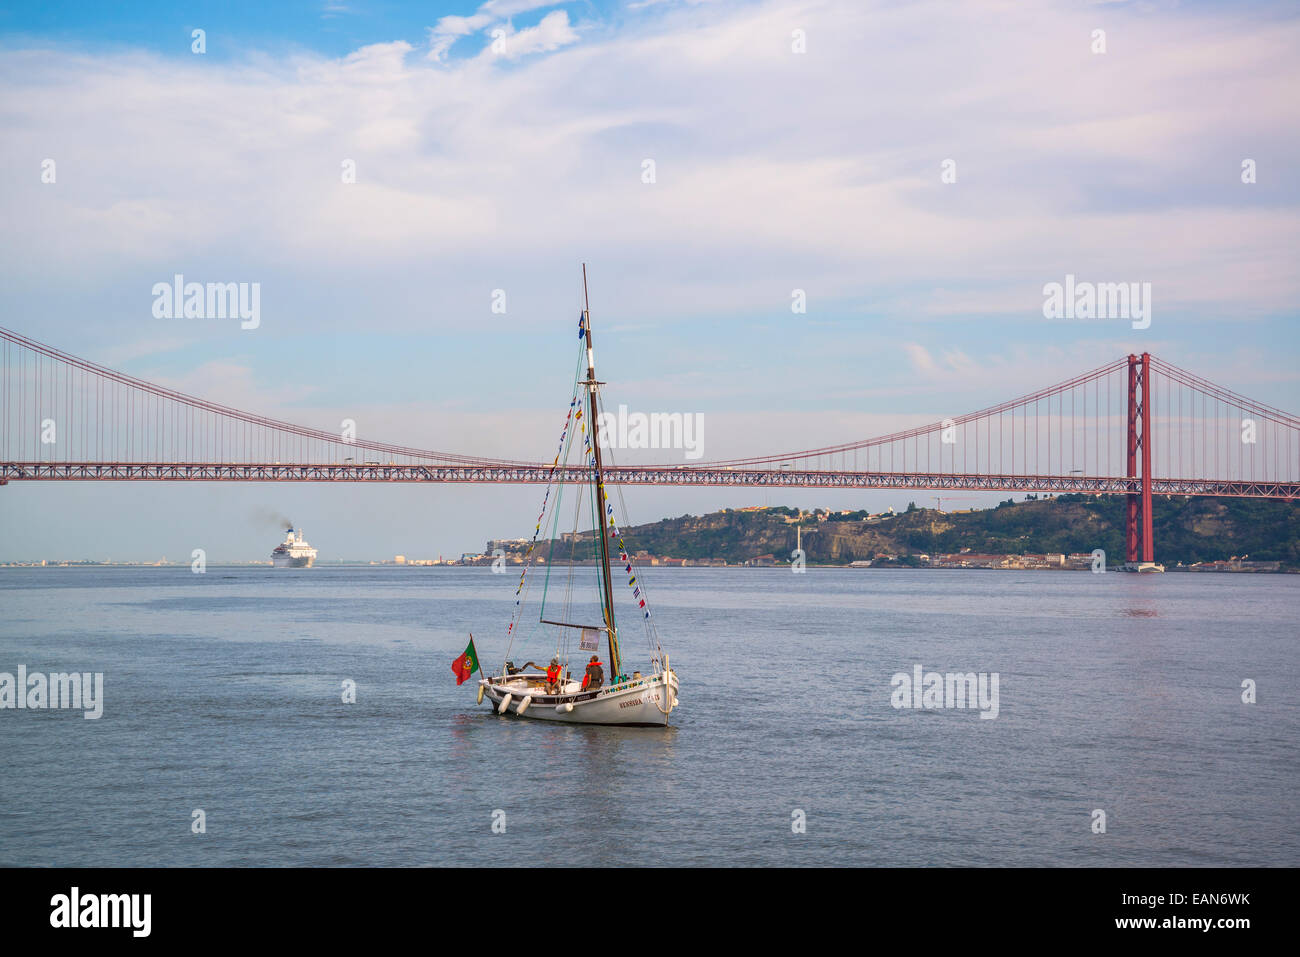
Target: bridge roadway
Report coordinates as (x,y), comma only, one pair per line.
(682,475)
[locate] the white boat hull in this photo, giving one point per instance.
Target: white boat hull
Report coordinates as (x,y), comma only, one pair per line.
(1143,567)
(642,701)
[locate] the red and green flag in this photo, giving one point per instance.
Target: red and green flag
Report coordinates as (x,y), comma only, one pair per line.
(466,664)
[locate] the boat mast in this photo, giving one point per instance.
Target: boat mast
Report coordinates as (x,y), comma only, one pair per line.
(602,521)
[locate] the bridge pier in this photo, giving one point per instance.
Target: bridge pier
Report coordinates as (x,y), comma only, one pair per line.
(1139,541)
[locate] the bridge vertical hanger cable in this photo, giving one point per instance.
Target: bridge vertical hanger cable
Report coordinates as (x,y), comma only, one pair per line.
(114,427)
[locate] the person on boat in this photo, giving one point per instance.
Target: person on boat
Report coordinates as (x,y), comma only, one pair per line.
(595,676)
(553,676)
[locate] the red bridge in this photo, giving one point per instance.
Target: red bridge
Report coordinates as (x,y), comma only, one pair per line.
(1137,427)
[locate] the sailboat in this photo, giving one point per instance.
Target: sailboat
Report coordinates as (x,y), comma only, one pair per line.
(568,627)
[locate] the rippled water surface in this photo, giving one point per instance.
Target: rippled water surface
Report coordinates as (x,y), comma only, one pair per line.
(223,692)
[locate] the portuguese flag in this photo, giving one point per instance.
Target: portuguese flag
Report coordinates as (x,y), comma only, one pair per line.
(466,664)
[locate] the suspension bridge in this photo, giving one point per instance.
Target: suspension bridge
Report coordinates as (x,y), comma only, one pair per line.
(1137,427)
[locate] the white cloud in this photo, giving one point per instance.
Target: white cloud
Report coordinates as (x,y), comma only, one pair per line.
(551,33)
(444,34)
(774,170)
(448,30)
(921,359)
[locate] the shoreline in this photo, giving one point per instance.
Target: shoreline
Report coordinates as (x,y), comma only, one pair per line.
(885,566)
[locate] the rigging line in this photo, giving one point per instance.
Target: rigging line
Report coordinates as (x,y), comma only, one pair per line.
(551,522)
(605,527)
(651,628)
(648,622)
(567,602)
(561,456)
(597,529)
(637,573)
(599,532)
(573,579)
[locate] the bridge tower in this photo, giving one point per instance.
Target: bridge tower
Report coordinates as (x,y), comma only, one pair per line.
(1139,439)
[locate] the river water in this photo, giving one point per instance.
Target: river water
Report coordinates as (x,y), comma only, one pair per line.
(223,693)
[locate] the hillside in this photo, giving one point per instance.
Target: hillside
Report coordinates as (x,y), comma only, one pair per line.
(1186,530)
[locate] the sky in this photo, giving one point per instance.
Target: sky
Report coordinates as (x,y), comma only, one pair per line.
(920,170)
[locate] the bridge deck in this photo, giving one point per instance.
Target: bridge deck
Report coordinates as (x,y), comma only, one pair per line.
(521,474)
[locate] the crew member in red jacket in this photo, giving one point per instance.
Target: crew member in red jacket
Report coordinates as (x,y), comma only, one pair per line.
(595,676)
(553,676)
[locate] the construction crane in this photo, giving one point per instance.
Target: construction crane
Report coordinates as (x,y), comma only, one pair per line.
(939,501)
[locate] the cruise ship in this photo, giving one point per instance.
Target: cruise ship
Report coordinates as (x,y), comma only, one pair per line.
(293,552)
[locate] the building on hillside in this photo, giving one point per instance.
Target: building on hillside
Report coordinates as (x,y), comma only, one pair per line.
(977,560)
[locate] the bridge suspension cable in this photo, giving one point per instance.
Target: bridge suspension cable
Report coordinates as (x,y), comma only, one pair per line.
(1137,425)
